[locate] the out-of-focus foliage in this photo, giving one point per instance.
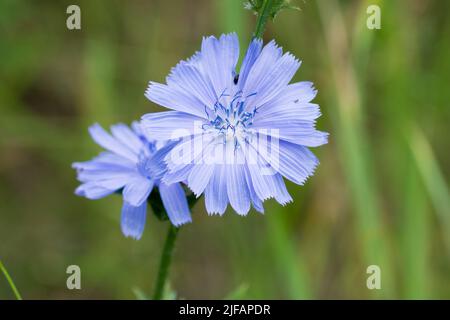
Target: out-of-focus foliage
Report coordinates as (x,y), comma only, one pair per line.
(379,197)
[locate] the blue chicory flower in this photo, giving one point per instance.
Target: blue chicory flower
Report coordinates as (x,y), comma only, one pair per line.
(238,134)
(132,165)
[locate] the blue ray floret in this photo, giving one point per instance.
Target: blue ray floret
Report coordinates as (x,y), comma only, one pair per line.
(240,133)
(133,166)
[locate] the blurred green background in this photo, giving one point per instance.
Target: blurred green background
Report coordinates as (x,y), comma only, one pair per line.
(380,196)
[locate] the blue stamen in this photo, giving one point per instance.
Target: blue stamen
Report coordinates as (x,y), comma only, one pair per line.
(230,117)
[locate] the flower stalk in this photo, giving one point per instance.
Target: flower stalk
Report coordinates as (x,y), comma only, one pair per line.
(164,264)
(169,244)
(265,10)
(263,15)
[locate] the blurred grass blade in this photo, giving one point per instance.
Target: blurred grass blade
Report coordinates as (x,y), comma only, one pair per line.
(433,179)
(10,281)
(415,239)
(139,294)
(239,293)
(290,262)
(353,143)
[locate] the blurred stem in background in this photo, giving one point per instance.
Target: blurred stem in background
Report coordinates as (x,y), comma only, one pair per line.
(10,281)
(414,236)
(413,221)
(414,163)
(433,179)
(289,259)
(352,141)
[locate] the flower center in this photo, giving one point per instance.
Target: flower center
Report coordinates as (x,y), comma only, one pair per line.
(229,118)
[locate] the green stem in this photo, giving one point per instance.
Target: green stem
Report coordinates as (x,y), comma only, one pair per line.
(263,16)
(166,255)
(10,281)
(164,264)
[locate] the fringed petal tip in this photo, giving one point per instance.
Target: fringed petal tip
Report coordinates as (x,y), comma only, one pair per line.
(133,220)
(183,222)
(174,200)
